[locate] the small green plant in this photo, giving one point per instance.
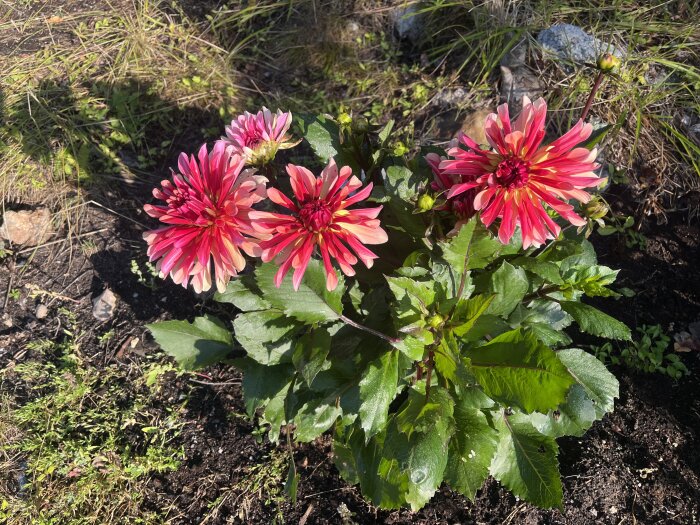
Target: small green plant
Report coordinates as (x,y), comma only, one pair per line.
(624,226)
(648,354)
(149,279)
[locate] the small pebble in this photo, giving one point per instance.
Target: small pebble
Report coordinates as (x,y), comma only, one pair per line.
(41,311)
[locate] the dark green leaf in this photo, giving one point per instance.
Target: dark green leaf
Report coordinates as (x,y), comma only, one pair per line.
(267,336)
(290,487)
(510,284)
(310,353)
(311,303)
(600,385)
(593,321)
(571,418)
(205,341)
(518,370)
(243,294)
(314,418)
(457,250)
(468,312)
(526,462)
(377,391)
(472,446)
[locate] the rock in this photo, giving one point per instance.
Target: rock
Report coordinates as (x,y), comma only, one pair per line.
(26,227)
(517,79)
(573,44)
(41,311)
(451,97)
(408,24)
(473,125)
(103,305)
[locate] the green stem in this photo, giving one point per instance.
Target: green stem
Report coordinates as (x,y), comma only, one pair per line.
(541,292)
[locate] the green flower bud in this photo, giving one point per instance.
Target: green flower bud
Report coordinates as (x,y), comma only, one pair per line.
(435,321)
(608,62)
(360,125)
(425,202)
(595,209)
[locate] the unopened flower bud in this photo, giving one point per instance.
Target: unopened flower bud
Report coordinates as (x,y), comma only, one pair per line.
(595,209)
(435,320)
(607,62)
(425,202)
(360,125)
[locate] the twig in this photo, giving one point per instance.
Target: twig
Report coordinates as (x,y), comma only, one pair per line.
(211,383)
(369,330)
(44,245)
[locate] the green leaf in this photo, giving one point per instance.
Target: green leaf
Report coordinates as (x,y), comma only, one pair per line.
(469,311)
(546,270)
(571,418)
(592,280)
(290,487)
(457,250)
(472,446)
(510,284)
(411,347)
(400,188)
(243,294)
(421,413)
(267,335)
(518,370)
(593,321)
(323,135)
(526,462)
(486,325)
(314,418)
(205,341)
(310,353)
(377,391)
(597,135)
(600,385)
(311,303)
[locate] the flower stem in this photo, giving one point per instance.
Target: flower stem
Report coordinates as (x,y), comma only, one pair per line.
(369,330)
(429,374)
(594,90)
(541,292)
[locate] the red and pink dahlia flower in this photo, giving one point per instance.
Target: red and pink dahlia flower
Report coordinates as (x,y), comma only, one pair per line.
(258,137)
(320,218)
(463,204)
(206,212)
(520,178)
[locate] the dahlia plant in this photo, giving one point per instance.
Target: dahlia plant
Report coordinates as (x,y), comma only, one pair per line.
(446,356)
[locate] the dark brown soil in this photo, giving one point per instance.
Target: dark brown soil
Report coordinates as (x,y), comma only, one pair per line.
(641,464)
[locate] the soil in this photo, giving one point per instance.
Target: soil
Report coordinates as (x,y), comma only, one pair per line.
(640,464)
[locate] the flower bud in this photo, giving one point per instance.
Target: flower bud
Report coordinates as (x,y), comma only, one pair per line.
(360,125)
(595,209)
(607,62)
(425,202)
(435,320)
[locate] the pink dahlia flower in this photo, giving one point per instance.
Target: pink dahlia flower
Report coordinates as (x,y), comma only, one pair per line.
(463,204)
(258,137)
(521,178)
(207,219)
(320,218)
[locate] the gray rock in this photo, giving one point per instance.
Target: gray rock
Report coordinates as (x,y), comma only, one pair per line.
(408,23)
(517,79)
(574,45)
(103,305)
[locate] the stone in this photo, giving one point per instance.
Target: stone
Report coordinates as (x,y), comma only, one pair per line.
(41,311)
(26,227)
(408,23)
(103,305)
(572,44)
(517,79)
(473,125)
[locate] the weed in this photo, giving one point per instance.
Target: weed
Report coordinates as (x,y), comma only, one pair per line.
(650,353)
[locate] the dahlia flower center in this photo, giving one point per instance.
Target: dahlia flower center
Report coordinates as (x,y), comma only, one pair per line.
(512,173)
(179,198)
(315,215)
(252,141)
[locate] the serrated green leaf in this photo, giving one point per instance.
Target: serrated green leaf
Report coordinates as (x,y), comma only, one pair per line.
(310,353)
(267,335)
(458,249)
(510,284)
(243,294)
(600,385)
(421,413)
(311,303)
(377,391)
(518,370)
(472,446)
(486,325)
(546,270)
(526,462)
(411,347)
(571,418)
(204,342)
(400,189)
(323,135)
(592,280)
(314,418)
(468,312)
(593,321)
